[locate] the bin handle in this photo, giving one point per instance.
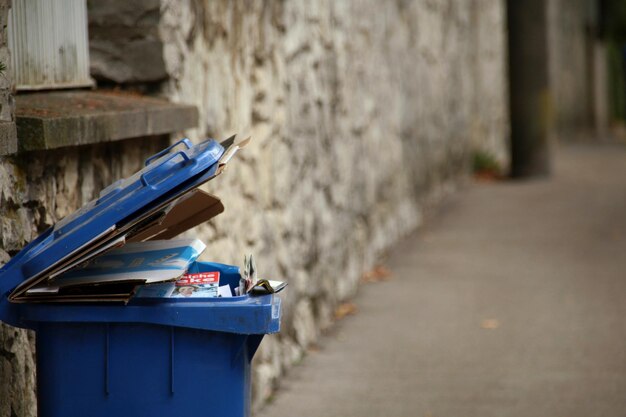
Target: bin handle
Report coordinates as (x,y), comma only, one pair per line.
(184,141)
(144,176)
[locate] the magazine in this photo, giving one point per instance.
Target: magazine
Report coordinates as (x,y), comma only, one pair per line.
(144,262)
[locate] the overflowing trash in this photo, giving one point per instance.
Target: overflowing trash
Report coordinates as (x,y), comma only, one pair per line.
(120,245)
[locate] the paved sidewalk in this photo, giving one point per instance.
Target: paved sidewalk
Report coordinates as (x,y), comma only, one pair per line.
(511,302)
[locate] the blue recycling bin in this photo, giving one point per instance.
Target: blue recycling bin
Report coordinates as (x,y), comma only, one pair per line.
(146,356)
(172,357)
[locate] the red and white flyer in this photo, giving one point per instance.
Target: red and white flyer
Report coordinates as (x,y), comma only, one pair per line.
(198,284)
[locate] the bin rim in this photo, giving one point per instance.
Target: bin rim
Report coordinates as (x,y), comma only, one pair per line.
(242,315)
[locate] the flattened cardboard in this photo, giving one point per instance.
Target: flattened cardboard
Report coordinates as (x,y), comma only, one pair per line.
(204,204)
(93,248)
(79,253)
(120,298)
(189,211)
(230,152)
(115,243)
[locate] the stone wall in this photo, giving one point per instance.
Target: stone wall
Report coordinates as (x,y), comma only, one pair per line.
(124,42)
(362,112)
(359,110)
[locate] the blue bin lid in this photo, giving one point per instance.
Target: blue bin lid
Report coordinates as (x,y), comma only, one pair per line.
(120,208)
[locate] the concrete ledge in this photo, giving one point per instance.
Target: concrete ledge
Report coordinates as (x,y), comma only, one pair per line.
(57,119)
(8,138)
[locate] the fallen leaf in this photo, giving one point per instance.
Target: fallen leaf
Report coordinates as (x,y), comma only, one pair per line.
(314,348)
(380,273)
(490,324)
(344,309)
(487,176)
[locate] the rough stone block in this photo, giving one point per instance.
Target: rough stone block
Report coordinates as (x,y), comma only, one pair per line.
(127,61)
(124,41)
(8,138)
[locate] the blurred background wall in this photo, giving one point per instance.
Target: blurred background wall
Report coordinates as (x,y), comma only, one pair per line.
(570,39)
(586,41)
(362,114)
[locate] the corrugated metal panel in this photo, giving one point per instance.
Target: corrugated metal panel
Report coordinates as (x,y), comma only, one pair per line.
(49,44)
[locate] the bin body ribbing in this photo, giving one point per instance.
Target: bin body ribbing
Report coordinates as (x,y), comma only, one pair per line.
(136,370)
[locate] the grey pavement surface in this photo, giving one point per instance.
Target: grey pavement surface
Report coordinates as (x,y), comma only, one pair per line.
(509,302)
